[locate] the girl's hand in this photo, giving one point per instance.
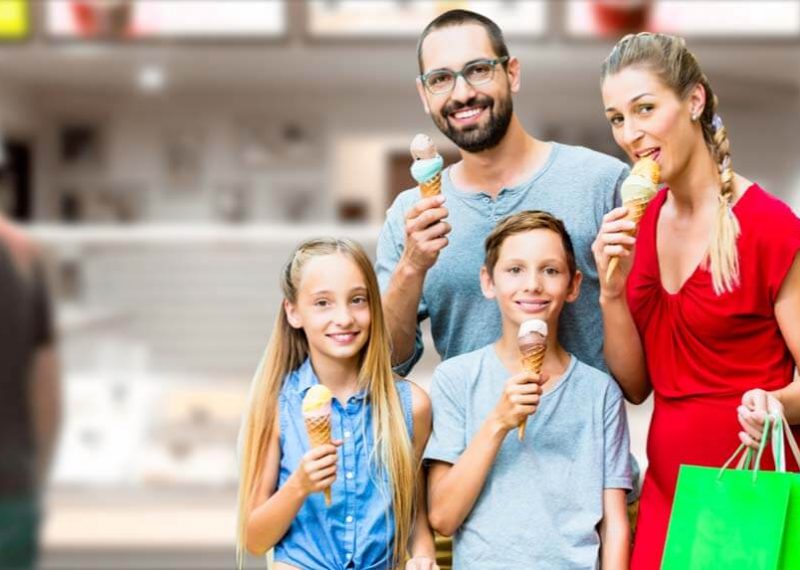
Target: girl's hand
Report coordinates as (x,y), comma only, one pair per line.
(519,400)
(614,241)
(756,404)
(317,470)
(421,563)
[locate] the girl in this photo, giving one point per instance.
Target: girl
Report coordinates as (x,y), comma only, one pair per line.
(709,317)
(330,330)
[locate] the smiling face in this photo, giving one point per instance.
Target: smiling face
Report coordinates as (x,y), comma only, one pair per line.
(649,119)
(475,118)
(332,308)
(531,279)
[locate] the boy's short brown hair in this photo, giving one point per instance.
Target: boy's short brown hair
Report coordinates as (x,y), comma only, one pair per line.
(524,222)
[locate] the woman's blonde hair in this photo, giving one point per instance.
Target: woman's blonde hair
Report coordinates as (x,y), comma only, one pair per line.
(286,351)
(668,57)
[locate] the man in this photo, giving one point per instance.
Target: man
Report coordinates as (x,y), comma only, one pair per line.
(29,396)
(429,267)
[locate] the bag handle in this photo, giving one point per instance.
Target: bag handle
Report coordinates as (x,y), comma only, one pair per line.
(746,459)
(780,430)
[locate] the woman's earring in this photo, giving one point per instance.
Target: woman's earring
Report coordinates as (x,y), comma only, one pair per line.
(695,117)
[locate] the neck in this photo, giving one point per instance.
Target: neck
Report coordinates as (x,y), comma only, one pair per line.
(556,359)
(339,375)
(696,186)
(516,157)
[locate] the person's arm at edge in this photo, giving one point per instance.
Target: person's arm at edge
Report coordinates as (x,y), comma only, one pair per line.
(615,532)
(45,400)
(422,543)
(787,313)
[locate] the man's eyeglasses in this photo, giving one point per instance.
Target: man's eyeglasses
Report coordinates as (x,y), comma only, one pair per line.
(441,81)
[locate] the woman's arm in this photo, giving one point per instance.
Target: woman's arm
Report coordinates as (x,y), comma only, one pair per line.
(423,550)
(756,403)
(622,346)
(454,488)
(272,512)
(615,532)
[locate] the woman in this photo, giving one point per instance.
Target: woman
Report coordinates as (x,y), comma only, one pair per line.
(707,313)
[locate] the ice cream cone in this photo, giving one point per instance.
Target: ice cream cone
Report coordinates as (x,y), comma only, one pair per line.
(317,417)
(532,341)
(319,433)
(432,187)
(637,190)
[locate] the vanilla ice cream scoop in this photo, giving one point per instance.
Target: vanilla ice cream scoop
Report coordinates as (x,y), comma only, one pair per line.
(317,400)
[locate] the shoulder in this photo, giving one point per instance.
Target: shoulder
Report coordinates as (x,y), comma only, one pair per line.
(760,207)
(586,158)
(420,404)
(469,362)
(596,382)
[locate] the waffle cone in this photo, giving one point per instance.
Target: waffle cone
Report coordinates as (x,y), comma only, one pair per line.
(532,362)
(636,210)
(319,433)
(432,187)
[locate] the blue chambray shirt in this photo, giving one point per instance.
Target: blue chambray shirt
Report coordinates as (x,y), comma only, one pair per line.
(357,530)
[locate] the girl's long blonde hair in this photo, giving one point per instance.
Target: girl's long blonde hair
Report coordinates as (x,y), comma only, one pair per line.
(286,351)
(669,58)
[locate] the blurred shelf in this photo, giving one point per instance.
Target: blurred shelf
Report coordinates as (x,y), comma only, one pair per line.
(61,236)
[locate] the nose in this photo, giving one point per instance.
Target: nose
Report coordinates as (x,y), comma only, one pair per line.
(462,90)
(631,132)
(343,317)
(534,282)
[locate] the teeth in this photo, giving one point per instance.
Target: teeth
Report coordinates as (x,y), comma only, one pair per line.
(468,114)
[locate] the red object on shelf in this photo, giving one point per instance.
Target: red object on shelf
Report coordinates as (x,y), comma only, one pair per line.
(101,19)
(617,17)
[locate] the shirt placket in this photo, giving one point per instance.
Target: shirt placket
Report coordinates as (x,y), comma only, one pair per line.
(349,469)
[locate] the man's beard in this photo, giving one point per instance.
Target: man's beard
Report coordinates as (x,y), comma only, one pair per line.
(476,138)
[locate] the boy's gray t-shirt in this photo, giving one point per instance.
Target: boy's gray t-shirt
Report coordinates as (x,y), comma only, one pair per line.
(576,184)
(543,497)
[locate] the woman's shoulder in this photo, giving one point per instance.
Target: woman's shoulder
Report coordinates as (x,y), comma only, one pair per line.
(756,204)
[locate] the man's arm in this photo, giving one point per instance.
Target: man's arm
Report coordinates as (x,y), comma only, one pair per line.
(402,271)
(45,401)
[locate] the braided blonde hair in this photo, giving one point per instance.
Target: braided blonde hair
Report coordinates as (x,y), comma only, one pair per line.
(669,58)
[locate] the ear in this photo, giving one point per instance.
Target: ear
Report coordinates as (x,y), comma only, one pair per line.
(487,285)
(423,96)
(514,72)
(292,315)
(696,100)
(575,287)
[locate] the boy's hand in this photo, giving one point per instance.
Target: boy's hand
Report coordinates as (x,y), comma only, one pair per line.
(317,470)
(519,400)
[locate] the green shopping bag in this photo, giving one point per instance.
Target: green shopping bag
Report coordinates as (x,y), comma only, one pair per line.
(743,518)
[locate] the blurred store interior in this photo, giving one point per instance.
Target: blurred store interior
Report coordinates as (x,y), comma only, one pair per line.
(168,154)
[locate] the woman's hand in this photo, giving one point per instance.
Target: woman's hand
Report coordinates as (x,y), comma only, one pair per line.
(613,240)
(421,563)
(317,470)
(756,404)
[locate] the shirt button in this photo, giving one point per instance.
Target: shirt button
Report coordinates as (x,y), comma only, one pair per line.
(348,519)
(349,475)
(347,434)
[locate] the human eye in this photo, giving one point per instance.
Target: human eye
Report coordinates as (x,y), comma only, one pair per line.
(551,271)
(359,300)
(645,108)
(439,78)
(321,303)
(514,269)
(478,70)
(615,120)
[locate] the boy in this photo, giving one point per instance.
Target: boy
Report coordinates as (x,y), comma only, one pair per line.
(557,498)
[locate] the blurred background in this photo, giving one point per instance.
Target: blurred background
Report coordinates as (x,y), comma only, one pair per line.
(167,155)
